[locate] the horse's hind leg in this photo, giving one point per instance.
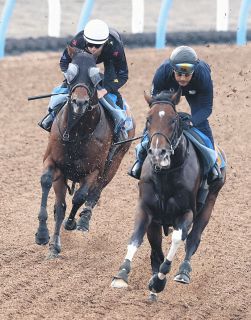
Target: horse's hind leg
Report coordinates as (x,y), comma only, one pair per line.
(193,239)
(86,213)
(59,214)
(42,234)
(78,200)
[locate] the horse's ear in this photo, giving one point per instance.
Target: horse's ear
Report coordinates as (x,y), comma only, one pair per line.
(71,50)
(148,98)
(176,97)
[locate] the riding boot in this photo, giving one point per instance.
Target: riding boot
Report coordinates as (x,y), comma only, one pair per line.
(141,153)
(55,104)
(46,122)
(135,171)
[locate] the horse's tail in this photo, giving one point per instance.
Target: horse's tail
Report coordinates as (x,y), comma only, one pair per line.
(71,189)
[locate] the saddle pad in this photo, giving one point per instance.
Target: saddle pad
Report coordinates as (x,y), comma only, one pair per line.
(208,155)
(204,146)
(220,160)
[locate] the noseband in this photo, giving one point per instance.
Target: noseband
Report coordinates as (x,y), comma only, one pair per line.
(89,91)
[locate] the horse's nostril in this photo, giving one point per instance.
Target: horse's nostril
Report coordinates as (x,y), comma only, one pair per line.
(150,151)
(163,152)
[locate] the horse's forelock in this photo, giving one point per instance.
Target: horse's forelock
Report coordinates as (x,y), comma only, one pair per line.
(88,57)
(164,96)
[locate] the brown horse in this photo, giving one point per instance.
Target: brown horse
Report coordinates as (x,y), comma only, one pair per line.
(80,149)
(168,196)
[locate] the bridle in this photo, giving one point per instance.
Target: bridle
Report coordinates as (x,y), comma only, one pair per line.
(175,137)
(74,117)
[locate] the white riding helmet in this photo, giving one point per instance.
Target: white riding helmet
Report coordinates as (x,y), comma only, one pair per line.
(96,31)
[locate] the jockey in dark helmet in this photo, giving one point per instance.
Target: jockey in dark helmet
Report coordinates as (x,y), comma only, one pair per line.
(107,47)
(185,70)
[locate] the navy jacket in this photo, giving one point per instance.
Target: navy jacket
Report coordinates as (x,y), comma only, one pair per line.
(112,55)
(198,93)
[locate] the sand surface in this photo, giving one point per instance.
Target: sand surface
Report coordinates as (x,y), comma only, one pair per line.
(77,285)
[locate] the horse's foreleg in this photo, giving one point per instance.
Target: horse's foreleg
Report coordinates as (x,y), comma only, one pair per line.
(141,224)
(59,214)
(194,237)
(154,235)
(42,234)
(183,224)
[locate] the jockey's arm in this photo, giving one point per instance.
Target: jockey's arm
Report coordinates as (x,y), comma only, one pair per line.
(116,70)
(78,42)
(162,80)
(201,104)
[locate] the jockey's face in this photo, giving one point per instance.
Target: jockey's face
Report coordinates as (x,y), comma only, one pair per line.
(182,78)
(95,50)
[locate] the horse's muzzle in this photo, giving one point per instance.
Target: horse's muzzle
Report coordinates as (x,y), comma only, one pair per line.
(79,106)
(159,158)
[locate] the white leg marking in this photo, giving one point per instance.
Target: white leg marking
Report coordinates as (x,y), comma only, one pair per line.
(131,250)
(176,241)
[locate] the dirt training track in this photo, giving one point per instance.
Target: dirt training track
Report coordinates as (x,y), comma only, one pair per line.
(77,285)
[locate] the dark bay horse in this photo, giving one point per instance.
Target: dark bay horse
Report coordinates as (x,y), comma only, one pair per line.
(168,191)
(80,149)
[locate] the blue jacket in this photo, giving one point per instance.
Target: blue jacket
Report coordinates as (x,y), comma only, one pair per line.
(198,92)
(112,55)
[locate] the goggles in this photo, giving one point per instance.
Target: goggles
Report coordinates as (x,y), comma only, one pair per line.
(91,45)
(184,68)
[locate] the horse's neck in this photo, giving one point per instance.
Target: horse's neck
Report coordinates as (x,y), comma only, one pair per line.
(85,124)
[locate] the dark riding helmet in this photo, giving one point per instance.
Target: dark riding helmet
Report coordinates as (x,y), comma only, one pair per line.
(183,59)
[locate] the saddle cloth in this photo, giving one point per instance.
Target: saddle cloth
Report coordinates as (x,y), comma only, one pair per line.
(205,148)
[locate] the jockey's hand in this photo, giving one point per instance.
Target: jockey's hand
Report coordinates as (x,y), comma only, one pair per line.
(102,92)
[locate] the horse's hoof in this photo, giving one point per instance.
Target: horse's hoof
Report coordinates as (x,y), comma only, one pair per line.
(52,255)
(182,278)
(84,220)
(152,297)
(156,285)
(70,224)
(82,228)
(41,241)
(119,283)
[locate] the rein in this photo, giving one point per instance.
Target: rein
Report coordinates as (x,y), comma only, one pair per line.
(73,119)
